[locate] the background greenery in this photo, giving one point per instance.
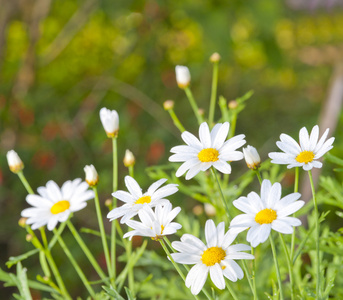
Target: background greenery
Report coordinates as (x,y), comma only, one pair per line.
(61,61)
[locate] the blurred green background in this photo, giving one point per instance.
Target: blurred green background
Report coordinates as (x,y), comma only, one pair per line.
(61,61)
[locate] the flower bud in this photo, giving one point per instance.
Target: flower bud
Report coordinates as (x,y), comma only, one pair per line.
(108,203)
(22,222)
(198,210)
(92,177)
(110,122)
(29,237)
(215,57)
(210,210)
(183,77)
(14,162)
(129,159)
(233,104)
(169,104)
(251,157)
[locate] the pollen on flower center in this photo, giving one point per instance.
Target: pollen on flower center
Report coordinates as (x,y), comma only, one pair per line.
(305,157)
(59,207)
(213,255)
(144,199)
(266,216)
(208,154)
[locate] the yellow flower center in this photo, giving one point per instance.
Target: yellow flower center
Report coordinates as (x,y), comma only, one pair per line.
(59,207)
(208,154)
(266,216)
(305,157)
(157,237)
(144,199)
(213,255)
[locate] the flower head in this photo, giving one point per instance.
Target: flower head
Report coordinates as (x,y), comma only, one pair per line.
(266,212)
(92,177)
(211,150)
(252,158)
(216,258)
(14,162)
(304,154)
(110,121)
(135,200)
(54,204)
(155,224)
(183,77)
(129,159)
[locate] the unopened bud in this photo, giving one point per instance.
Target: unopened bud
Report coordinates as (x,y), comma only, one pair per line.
(14,162)
(201,111)
(210,210)
(169,104)
(129,159)
(183,76)
(110,122)
(108,203)
(92,177)
(215,57)
(233,104)
(29,237)
(22,222)
(198,210)
(252,158)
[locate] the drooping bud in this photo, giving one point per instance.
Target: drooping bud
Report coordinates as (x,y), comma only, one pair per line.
(169,104)
(92,177)
(110,122)
(215,57)
(183,77)
(129,159)
(14,162)
(252,158)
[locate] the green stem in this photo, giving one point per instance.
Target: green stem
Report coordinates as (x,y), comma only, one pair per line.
(214,173)
(86,251)
(233,124)
(247,275)
(76,266)
(289,264)
(130,275)
(131,171)
(176,120)
(25,183)
(316,217)
(103,234)
(233,294)
(213,93)
(296,185)
(193,104)
(276,266)
(115,187)
(254,275)
(258,174)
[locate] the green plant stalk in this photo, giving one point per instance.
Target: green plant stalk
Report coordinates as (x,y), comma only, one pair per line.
(86,251)
(193,104)
(248,276)
(316,216)
(258,174)
(130,275)
(289,264)
(254,275)
(103,235)
(214,173)
(276,266)
(76,266)
(131,171)
(25,183)
(113,225)
(224,109)
(176,120)
(296,186)
(175,264)
(233,124)
(233,294)
(213,93)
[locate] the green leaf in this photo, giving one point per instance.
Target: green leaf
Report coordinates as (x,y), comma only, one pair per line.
(129,294)
(24,287)
(15,259)
(112,293)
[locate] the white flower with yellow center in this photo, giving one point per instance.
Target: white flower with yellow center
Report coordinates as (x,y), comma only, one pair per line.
(135,200)
(262,214)
(216,258)
(55,204)
(155,224)
(304,154)
(210,150)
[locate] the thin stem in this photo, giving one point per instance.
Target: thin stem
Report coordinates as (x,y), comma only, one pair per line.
(316,217)
(131,171)
(214,173)
(289,264)
(103,234)
(296,186)
(25,183)
(86,251)
(254,274)
(113,229)
(233,124)
(213,93)
(276,266)
(258,174)
(193,104)
(176,120)
(130,275)
(248,276)
(233,294)
(76,266)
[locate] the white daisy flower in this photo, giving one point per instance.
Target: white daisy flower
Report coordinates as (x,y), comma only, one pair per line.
(266,212)
(154,224)
(304,154)
(183,76)
(216,258)
(211,150)
(252,158)
(135,200)
(110,121)
(54,204)
(14,162)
